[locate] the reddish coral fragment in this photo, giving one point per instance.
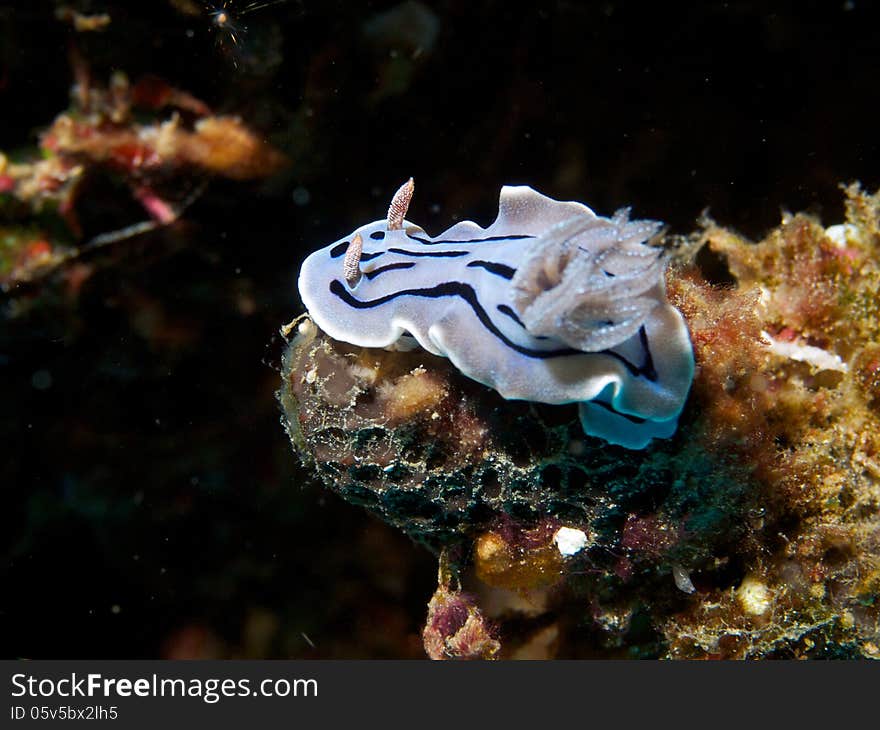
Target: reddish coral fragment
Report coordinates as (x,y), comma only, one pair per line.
(456,628)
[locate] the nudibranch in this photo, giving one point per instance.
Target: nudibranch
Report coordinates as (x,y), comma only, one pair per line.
(550,303)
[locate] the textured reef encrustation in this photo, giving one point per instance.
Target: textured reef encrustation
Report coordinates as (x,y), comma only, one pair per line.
(752,532)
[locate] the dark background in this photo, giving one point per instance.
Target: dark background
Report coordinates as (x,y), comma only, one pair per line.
(151,503)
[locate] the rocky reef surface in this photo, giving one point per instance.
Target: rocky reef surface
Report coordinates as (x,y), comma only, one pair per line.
(753,533)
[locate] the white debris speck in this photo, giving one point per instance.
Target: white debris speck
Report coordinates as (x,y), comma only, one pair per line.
(843,234)
(312,376)
(305,329)
(753,596)
(570,541)
(815,356)
(682,579)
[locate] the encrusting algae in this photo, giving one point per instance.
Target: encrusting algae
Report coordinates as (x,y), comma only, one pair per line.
(163,162)
(754,532)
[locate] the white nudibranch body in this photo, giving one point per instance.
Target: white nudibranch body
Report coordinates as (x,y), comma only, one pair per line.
(550,303)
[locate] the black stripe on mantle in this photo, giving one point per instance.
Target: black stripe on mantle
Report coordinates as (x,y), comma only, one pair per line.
(388,267)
